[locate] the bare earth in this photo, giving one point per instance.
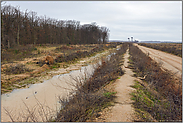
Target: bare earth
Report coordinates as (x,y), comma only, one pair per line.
(122,111)
(170,62)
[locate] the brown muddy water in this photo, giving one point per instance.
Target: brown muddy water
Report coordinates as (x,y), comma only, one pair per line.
(40,102)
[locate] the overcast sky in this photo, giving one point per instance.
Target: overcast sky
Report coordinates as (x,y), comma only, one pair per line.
(144,20)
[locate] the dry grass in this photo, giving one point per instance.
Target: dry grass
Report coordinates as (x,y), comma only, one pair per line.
(167,106)
(87,98)
(17,53)
(72,56)
(74,53)
(90,97)
(174,48)
(17,69)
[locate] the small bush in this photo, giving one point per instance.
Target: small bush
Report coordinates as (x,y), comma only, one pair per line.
(17,69)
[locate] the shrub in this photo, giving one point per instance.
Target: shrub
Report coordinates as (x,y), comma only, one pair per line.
(89,97)
(17,53)
(17,69)
(159,80)
(175,49)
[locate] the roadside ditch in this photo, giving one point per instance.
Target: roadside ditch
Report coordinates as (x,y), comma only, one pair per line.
(34,99)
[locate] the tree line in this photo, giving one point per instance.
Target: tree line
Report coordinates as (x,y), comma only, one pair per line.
(21,28)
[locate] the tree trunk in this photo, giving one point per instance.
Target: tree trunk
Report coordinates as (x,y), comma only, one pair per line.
(35,38)
(8,43)
(18,36)
(2,29)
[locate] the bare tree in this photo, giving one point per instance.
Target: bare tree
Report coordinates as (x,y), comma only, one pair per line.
(26,27)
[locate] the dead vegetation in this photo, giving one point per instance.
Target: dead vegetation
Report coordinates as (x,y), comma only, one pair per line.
(44,58)
(17,53)
(29,115)
(80,54)
(87,98)
(16,69)
(160,94)
(48,60)
(90,97)
(174,48)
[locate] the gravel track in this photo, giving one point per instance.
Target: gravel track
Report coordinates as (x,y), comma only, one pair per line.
(170,62)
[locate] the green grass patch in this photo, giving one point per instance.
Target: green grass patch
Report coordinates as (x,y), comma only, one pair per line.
(109,94)
(9,88)
(148,106)
(55,66)
(130,60)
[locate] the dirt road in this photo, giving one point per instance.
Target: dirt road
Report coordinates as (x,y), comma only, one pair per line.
(122,111)
(170,62)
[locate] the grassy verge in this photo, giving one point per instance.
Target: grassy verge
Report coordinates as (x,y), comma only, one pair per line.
(149,106)
(90,97)
(159,96)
